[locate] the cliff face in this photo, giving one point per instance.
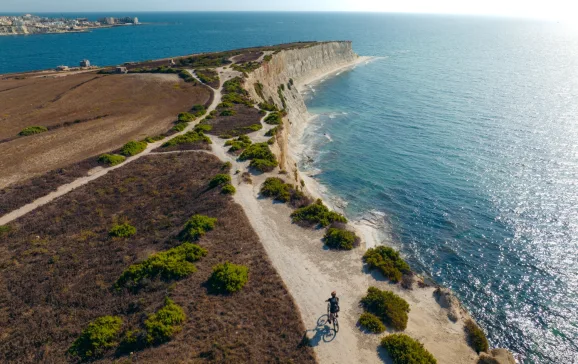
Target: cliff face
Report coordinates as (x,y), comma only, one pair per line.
(284,75)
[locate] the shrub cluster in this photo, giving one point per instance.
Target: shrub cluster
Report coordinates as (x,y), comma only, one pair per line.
(240,143)
(316,214)
(203,128)
(280,90)
(235,93)
(259,90)
(111,159)
(262,158)
(388,261)
(197,226)
(228,189)
(268,106)
(404,350)
(180,126)
(186,117)
(476,337)
(267,58)
(219,179)
(228,277)
(275,118)
(162,325)
(198,110)
(371,323)
(153,139)
(124,230)
(246,67)
(274,131)
(388,306)
(100,335)
(277,189)
(174,263)
(32,130)
(340,238)
(189,137)
(133,148)
(186,76)
(228,112)
(208,76)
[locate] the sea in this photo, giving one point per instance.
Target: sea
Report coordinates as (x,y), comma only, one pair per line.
(459,139)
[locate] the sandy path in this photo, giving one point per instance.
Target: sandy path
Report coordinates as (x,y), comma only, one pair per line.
(64,189)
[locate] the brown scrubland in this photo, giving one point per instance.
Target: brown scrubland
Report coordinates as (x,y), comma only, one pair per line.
(58,265)
(86,114)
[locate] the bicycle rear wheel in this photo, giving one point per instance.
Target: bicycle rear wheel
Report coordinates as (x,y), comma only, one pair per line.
(335,324)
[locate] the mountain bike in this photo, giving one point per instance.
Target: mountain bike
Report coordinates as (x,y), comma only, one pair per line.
(333,318)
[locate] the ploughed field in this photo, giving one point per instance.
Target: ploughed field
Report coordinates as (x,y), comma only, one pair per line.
(59,264)
(86,114)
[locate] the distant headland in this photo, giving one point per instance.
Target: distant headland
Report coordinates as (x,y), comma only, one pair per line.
(32,24)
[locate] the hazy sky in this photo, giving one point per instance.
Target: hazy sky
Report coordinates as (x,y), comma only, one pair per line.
(553,9)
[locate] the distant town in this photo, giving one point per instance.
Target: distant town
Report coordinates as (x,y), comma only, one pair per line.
(32,24)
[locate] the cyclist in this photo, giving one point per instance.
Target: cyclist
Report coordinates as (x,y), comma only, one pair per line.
(334,305)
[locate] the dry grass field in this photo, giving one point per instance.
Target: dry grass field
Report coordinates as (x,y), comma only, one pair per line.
(87,114)
(58,266)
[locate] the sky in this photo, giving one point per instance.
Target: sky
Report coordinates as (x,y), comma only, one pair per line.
(548,9)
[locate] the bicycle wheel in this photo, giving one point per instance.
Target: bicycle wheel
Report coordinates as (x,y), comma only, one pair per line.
(335,324)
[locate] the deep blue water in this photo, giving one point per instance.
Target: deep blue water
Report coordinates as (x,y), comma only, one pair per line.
(464,134)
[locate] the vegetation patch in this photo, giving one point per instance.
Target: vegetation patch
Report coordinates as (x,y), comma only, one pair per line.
(235,93)
(155,138)
(228,278)
(371,323)
(274,131)
(32,130)
(227,112)
(262,158)
(175,263)
(388,261)
(197,226)
(228,189)
(133,148)
(99,336)
(164,324)
(186,76)
(275,118)
(340,238)
(388,306)
(277,189)
(246,67)
(111,159)
(267,58)
(259,90)
(280,90)
(268,106)
(5,229)
(238,144)
(404,350)
(124,230)
(180,126)
(190,137)
(208,76)
(203,128)
(317,214)
(476,337)
(220,179)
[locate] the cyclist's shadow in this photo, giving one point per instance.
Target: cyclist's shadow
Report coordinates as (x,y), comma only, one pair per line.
(323,332)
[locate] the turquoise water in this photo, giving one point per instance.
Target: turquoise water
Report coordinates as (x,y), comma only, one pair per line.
(463,135)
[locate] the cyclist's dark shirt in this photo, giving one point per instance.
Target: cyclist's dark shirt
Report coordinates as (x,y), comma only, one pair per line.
(334,301)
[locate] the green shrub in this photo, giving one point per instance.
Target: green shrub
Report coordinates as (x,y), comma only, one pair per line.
(404,350)
(227,112)
(175,263)
(124,230)
(198,110)
(388,261)
(100,335)
(271,141)
(189,137)
(225,105)
(273,131)
(153,139)
(111,159)
(186,76)
(317,214)
(274,118)
(197,226)
(133,148)
(476,337)
(338,238)
(267,58)
(165,323)
(32,130)
(228,277)
(5,229)
(371,323)
(280,90)
(207,76)
(258,151)
(203,128)
(228,189)
(186,117)
(388,306)
(267,106)
(254,127)
(263,165)
(277,189)
(259,90)
(219,179)
(180,126)
(226,166)
(240,143)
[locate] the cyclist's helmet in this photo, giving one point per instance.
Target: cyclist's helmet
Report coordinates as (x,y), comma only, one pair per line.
(333,294)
